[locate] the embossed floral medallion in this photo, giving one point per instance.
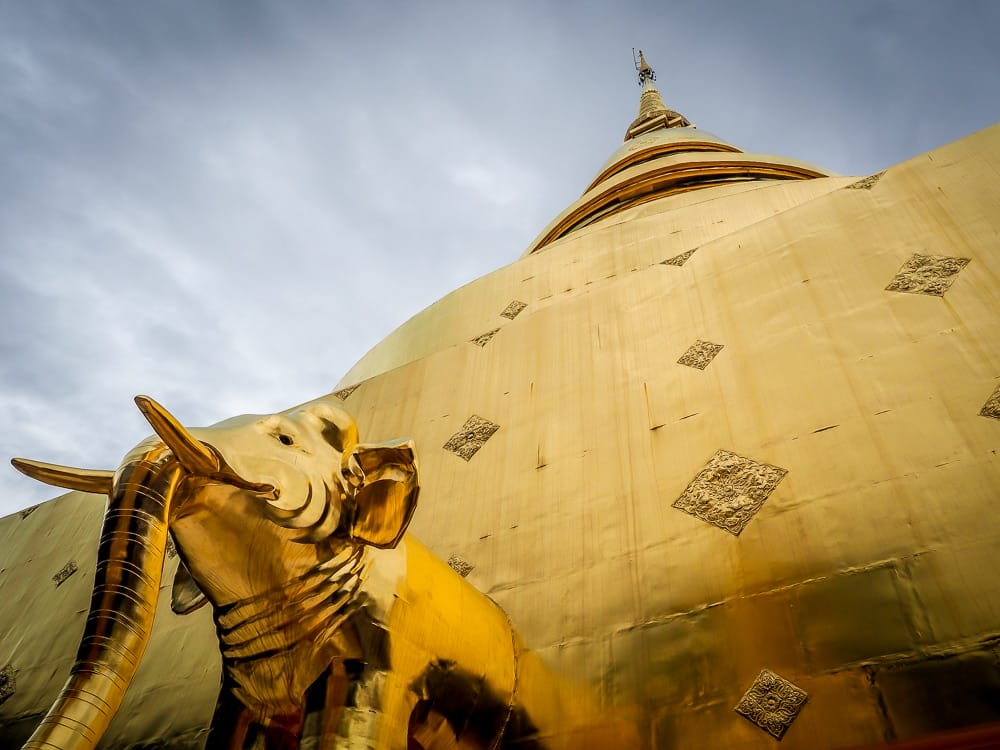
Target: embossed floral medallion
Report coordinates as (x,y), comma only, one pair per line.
(927,274)
(7,683)
(460,565)
(513,310)
(343,393)
(678,260)
(772,703)
(65,572)
(729,490)
(866,183)
(473,435)
(482,338)
(700,354)
(992,406)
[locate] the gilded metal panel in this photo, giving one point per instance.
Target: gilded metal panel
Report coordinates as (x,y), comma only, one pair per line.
(611,248)
(922,696)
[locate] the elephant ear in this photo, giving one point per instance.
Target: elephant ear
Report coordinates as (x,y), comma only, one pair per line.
(384,478)
(185,596)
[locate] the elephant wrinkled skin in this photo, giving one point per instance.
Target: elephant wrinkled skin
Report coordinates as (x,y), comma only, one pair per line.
(334,625)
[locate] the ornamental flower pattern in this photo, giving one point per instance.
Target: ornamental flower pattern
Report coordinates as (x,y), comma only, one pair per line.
(343,393)
(992,406)
(866,183)
(460,565)
(729,491)
(65,572)
(513,309)
(700,354)
(678,260)
(473,436)
(7,683)
(772,703)
(927,274)
(482,338)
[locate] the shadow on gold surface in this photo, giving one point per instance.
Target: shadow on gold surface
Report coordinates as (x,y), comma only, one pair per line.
(334,625)
(986,737)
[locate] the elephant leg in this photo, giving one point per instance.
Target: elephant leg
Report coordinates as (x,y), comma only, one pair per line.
(230,723)
(325,702)
(395,704)
(235,727)
(430,730)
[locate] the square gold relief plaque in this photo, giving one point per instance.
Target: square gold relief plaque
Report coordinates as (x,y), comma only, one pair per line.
(700,354)
(729,490)
(473,436)
(460,565)
(513,309)
(772,703)
(65,572)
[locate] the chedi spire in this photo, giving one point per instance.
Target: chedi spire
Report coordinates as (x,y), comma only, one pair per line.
(653,113)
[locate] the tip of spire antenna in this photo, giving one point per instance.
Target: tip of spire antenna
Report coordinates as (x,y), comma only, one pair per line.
(645,70)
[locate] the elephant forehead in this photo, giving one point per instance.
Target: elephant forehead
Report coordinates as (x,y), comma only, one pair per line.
(243,420)
(326,407)
(328,421)
(247,435)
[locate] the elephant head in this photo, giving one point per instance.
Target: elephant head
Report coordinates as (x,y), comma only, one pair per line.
(253,503)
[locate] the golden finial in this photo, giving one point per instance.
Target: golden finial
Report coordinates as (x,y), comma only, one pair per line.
(643,68)
(653,113)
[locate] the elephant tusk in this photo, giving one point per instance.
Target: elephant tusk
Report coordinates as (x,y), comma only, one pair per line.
(192,454)
(84,480)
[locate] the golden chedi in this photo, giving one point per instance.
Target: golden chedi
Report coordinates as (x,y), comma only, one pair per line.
(722,446)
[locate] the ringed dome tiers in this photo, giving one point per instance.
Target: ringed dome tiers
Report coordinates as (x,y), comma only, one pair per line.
(664,155)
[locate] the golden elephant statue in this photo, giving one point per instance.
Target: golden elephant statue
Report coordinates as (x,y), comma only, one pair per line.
(334,625)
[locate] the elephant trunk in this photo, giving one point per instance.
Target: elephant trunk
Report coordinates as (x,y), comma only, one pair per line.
(123,604)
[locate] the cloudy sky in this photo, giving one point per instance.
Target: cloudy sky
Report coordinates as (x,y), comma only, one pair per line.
(225,204)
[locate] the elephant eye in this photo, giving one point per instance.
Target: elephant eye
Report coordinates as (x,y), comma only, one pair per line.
(285,439)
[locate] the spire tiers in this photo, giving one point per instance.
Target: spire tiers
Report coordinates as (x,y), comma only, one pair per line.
(653,113)
(664,156)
